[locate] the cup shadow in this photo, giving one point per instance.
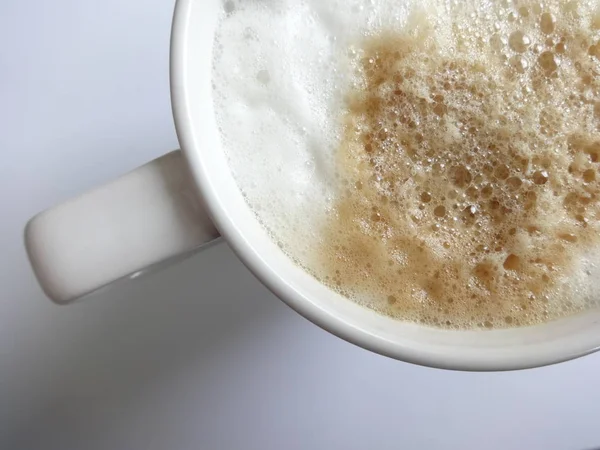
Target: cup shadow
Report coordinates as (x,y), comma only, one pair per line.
(143,332)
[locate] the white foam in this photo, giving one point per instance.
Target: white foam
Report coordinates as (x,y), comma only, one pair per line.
(280,66)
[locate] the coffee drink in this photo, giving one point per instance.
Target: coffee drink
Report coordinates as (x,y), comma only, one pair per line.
(435,161)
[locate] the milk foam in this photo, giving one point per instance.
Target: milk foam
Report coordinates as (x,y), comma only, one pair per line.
(281,71)
(281,67)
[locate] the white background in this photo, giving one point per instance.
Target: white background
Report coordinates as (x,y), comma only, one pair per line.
(200,356)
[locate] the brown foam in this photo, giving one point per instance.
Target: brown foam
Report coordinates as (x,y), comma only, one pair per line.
(470,169)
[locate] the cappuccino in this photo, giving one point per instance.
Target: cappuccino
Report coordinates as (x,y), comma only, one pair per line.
(434,161)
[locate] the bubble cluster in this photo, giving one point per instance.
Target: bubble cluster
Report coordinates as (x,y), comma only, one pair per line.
(433,160)
(469,166)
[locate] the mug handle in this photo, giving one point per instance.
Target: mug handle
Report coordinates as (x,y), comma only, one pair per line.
(138,221)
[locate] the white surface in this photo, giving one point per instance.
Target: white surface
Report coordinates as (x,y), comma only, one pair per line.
(152,364)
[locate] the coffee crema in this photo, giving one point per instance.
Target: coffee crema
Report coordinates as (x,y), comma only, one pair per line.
(462,171)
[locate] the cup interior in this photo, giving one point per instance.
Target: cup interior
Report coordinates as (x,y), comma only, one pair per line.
(191,69)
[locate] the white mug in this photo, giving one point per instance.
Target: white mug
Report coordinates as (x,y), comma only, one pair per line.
(172,206)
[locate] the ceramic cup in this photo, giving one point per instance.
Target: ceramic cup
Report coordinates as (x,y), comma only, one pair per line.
(174,205)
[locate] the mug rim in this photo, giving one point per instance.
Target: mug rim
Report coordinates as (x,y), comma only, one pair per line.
(275,281)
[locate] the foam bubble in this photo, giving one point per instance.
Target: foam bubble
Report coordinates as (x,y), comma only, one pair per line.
(435,161)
